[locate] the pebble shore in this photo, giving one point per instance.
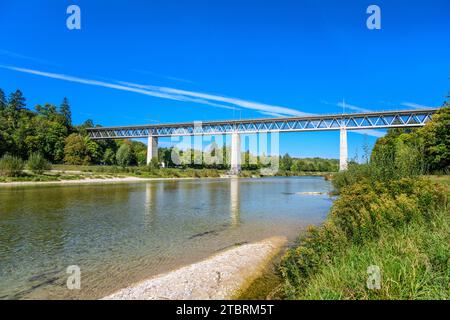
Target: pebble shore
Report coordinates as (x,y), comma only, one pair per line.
(218,277)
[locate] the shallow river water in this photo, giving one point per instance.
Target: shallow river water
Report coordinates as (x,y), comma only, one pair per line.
(118,234)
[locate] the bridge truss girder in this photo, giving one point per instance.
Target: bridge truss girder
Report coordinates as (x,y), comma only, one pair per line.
(376,120)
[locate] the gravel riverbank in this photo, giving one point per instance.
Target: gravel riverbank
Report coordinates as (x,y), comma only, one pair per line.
(218,277)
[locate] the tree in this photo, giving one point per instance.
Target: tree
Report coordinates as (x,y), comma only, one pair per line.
(45,130)
(165,155)
(64,109)
(47,134)
(154,164)
(76,151)
(81,129)
(286,162)
(20,127)
(93,149)
(54,141)
(3,101)
(296,167)
(88,123)
(109,157)
(48,111)
(123,155)
(138,153)
(415,151)
(436,137)
(17,101)
(140,157)
(3,124)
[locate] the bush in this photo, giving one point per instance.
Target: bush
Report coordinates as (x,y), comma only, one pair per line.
(11,166)
(38,164)
(355,173)
(154,164)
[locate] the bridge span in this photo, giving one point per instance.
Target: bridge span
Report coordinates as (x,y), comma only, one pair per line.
(342,122)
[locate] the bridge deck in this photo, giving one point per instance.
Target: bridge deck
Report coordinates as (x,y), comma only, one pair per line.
(352,121)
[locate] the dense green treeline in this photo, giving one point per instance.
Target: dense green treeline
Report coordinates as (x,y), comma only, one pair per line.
(48,130)
(388,218)
(308,164)
(44,130)
(405,153)
(416,151)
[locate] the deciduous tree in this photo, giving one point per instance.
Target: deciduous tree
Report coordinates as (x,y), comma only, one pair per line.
(76,150)
(123,155)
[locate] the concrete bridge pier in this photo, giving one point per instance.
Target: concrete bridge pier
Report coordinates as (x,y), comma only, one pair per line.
(343,150)
(152,149)
(235,153)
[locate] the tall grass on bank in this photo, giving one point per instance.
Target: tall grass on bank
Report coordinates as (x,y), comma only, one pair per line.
(38,164)
(400,225)
(413,261)
(11,166)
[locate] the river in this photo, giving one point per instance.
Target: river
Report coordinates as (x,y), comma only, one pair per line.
(118,234)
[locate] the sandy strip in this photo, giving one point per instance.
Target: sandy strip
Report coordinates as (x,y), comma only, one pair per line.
(218,277)
(89,180)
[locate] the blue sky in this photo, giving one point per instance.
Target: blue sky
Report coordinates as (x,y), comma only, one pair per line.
(145,62)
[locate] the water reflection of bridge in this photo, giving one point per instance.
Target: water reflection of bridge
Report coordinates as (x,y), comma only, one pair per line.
(151,199)
(235,202)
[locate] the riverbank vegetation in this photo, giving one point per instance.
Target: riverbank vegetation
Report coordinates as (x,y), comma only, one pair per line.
(400,226)
(71,172)
(389,223)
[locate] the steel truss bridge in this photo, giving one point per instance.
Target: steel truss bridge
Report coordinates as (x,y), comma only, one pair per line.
(342,122)
(350,121)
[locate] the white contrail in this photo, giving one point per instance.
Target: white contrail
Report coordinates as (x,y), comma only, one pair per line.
(167,93)
(414,105)
(184,95)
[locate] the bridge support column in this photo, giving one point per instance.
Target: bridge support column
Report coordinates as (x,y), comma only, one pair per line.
(235,153)
(152,149)
(343,151)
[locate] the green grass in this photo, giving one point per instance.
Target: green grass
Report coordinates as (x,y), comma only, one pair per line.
(87,168)
(28,177)
(401,226)
(444,179)
(413,261)
(267,286)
